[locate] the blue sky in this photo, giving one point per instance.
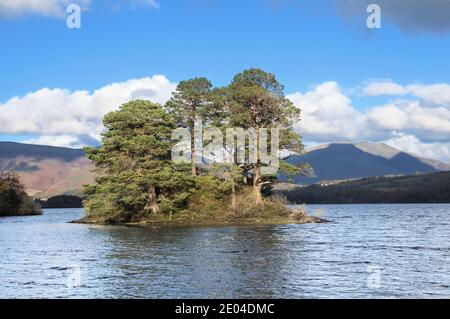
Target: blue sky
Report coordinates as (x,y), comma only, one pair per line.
(315,48)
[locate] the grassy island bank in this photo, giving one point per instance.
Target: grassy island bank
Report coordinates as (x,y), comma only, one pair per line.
(155,166)
(272,211)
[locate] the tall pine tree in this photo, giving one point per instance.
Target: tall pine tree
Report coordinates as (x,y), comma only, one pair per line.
(136,176)
(190,103)
(255,100)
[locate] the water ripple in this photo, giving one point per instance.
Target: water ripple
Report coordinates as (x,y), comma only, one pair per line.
(406,248)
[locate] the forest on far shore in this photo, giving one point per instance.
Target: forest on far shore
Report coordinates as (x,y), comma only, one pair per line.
(420,188)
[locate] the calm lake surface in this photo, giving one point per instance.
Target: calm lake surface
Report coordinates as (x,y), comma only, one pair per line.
(369,251)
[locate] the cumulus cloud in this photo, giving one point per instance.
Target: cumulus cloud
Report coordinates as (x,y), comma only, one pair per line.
(54,8)
(327,113)
(57,140)
(389,117)
(15,8)
(411,144)
(409,15)
(384,88)
(435,93)
(419,124)
(57,8)
(74,118)
(426,122)
(438,93)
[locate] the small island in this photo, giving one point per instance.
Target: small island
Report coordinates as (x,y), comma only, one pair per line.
(14,201)
(152,170)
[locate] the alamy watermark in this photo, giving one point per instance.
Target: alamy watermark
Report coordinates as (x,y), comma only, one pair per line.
(374,277)
(374,19)
(239,146)
(74,277)
(73,20)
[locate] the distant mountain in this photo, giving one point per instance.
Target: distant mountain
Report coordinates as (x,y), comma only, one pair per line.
(46,170)
(341,161)
(51,171)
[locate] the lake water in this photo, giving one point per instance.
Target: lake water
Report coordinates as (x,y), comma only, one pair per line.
(369,251)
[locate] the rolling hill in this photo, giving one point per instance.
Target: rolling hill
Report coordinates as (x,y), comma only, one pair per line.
(46,170)
(50,171)
(342,161)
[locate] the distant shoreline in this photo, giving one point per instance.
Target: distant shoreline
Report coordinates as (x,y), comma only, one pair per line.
(61,201)
(431,188)
(411,189)
(202,219)
(198,223)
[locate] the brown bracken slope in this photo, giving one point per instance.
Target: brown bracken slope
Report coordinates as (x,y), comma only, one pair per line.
(47,171)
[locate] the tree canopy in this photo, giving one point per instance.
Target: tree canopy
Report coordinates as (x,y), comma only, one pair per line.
(136,177)
(13,198)
(255,100)
(191,103)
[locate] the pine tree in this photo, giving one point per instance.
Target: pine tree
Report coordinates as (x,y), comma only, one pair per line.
(136,176)
(190,103)
(255,100)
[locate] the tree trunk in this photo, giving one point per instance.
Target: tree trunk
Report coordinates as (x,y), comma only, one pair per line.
(257,179)
(193,152)
(245,172)
(257,184)
(152,202)
(233,192)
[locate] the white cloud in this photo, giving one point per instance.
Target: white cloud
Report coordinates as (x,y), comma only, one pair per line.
(438,93)
(429,122)
(57,140)
(384,88)
(74,118)
(435,93)
(327,113)
(15,8)
(388,117)
(411,144)
(52,113)
(420,124)
(55,8)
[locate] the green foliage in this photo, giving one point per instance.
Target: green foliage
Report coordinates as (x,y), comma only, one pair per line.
(290,170)
(190,101)
(136,175)
(255,100)
(137,179)
(213,186)
(13,198)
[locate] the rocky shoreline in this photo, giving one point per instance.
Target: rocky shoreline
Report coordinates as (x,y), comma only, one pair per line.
(200,222)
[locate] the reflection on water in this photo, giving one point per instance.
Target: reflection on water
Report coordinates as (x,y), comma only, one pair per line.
(44,257)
